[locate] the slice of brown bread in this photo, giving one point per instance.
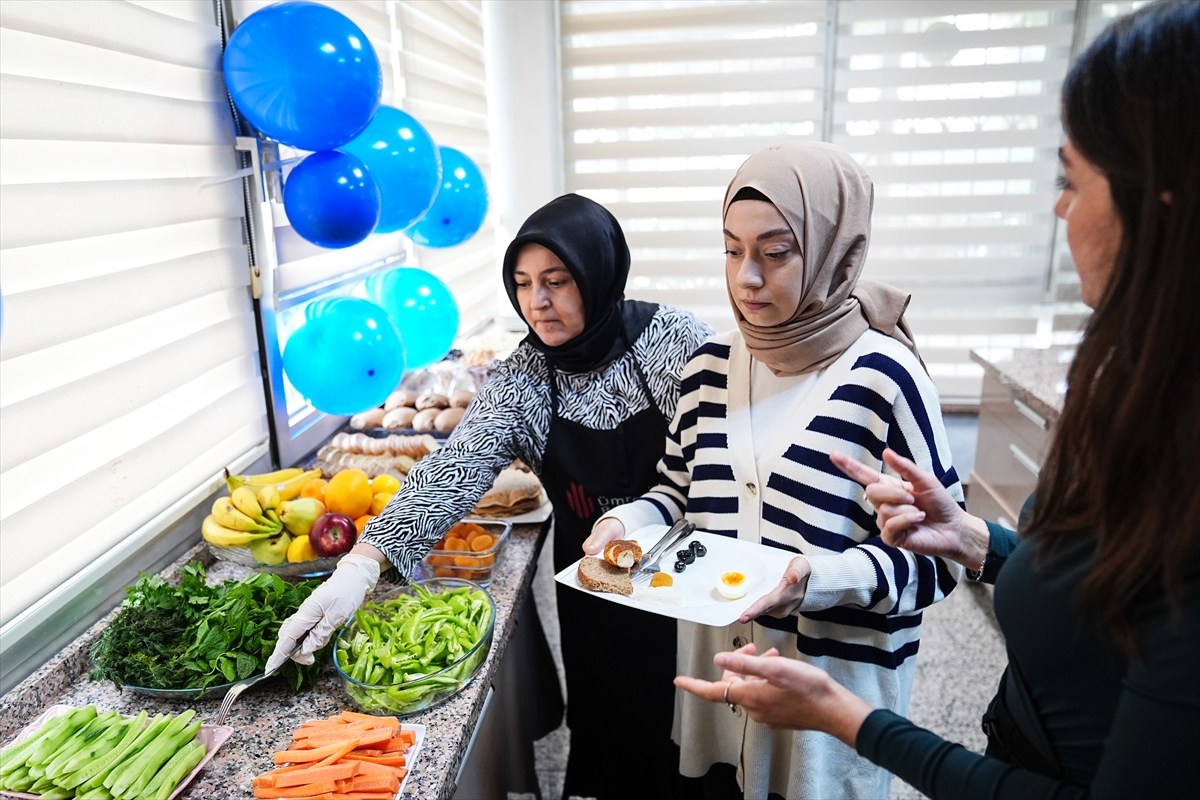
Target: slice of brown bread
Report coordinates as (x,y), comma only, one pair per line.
(599,576)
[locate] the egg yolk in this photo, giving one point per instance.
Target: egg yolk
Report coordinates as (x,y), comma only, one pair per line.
(661,579)
(732,578)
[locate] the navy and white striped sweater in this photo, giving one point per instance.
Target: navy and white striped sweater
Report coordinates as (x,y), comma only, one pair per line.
(861,616)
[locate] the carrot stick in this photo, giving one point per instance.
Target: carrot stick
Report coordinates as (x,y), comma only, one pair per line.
(307,790)
(316,754)
(318,774)
(355,716)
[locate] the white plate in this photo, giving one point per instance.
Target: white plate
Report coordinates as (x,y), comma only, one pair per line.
(410,755)
(697,585)
(211,736)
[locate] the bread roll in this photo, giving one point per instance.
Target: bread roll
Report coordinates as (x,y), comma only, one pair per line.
(432,400)
(447,419)
(462,398)
(424,420)
(399,399)
(623,553)
(401,417)
(368,419)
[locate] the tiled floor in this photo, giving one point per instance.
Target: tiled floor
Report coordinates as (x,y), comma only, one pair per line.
(962,654)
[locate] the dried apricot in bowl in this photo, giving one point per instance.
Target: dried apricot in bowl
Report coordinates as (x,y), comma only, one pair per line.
(481,543)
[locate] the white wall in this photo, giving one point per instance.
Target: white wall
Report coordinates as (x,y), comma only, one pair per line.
(524,111)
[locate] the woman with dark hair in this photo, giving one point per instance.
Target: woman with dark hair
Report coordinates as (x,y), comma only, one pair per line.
(584,401)
(1099,597)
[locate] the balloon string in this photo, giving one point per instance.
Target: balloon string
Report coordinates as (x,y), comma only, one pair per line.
(242,173)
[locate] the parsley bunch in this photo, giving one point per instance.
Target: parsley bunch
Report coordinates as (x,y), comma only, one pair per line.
(194,636)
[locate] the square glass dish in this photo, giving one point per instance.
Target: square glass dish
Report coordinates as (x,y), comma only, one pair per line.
(463,552)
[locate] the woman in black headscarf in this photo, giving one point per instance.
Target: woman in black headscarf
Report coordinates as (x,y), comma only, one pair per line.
(585,402)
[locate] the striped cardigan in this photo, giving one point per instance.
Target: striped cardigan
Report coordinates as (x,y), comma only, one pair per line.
(860,619)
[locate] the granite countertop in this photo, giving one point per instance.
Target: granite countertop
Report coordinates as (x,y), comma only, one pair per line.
(1038,377)
(265,716)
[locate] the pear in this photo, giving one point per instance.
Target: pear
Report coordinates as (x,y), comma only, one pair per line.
(299,515)
(271,552)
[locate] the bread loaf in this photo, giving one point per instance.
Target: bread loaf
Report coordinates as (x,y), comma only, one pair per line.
(600,576)
(423,421)
(447,419)
(368,419)
(432,400)
(622,553)
(399,399)
(401,417)
(462,398)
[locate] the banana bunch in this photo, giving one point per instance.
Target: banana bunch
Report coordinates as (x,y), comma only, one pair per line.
(244,517)
(288,482)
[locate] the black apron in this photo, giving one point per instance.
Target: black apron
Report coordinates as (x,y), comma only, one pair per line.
(620,663)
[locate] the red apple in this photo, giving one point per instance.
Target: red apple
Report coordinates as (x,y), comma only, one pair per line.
(332,535)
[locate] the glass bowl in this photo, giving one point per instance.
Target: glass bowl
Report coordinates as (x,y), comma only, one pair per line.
(215,691)
(317,568)
(408,697)
(471,565)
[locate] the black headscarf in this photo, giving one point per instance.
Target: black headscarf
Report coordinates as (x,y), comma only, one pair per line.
(590,243)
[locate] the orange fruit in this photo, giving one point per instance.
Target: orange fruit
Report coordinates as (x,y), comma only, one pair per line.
(362,521)
(349,493)
(385,484)
(315,488)
(379,503)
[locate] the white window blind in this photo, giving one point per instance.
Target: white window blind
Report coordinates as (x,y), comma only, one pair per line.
(129,371)
(662,102)
(951,105)
(442,69)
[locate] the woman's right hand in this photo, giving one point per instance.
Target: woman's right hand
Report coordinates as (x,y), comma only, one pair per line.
(604,531)
(916,512)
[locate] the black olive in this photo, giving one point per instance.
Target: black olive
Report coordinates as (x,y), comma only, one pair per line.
(686,556)
(699,549)
(680,566)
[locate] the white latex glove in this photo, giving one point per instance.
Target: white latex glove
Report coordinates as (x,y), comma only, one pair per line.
(325,610)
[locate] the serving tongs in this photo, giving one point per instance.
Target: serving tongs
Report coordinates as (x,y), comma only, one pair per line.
(649,563)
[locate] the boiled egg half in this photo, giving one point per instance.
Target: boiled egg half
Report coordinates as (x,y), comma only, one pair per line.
(733,585)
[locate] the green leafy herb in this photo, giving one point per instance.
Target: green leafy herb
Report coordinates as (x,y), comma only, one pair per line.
(194,635)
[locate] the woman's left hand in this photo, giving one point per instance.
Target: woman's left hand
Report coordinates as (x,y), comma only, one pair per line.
(783,693)
(784,598)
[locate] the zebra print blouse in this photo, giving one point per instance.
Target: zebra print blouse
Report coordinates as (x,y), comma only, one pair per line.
(510,418)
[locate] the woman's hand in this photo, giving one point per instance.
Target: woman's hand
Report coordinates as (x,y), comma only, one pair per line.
(784,598)
(604,531)
(783,693)
(917,513)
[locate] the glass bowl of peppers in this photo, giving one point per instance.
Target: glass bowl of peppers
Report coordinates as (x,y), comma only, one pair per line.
(415,648)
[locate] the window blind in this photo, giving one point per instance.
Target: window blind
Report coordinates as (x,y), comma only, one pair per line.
(951,105)
(130,371)
(442,69)
(663,100)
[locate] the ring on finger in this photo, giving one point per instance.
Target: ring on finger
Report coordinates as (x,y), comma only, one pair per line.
(725,697)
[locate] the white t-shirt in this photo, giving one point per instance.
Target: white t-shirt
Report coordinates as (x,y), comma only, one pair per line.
(770,398)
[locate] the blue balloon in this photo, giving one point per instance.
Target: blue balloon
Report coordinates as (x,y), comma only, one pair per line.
(405,162)
(346,359)
(331,199)
(303,74)
(423,310)
(460,205)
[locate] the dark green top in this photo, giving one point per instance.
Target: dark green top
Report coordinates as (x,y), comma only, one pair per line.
(1115,726)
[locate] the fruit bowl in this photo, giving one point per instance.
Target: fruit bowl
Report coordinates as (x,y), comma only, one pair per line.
(317,568)
(409,697)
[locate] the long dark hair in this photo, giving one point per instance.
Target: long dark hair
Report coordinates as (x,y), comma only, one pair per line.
(1123,463)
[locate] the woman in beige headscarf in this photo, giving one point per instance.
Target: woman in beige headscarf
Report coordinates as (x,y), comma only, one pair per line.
(820,362)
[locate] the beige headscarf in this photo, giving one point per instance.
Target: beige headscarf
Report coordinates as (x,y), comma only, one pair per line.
(827,199)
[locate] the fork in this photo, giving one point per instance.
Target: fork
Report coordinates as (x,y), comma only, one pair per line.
(652,567)
(236,690)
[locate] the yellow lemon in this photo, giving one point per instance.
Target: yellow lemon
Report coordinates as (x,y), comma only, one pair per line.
(301,549)
(379,502)
(385,484)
